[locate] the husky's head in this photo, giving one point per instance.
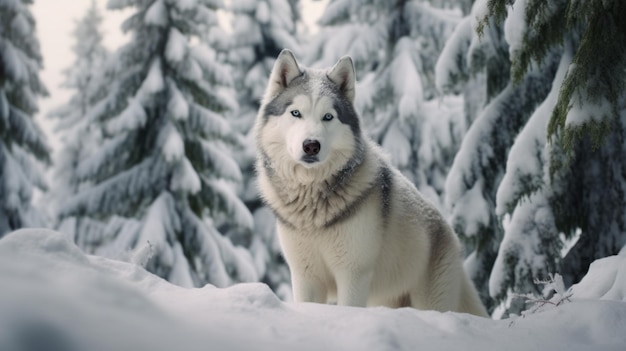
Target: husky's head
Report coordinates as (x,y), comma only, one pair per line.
(307,123)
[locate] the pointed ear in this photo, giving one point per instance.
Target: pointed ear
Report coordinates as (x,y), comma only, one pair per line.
(285,70)
(342,74)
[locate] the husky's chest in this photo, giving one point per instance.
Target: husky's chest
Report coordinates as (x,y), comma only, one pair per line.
(323,204)
(319,206)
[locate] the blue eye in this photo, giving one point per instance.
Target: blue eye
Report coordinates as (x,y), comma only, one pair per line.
(327,117)
(296,113)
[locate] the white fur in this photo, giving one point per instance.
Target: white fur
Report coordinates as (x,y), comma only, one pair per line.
(406,256)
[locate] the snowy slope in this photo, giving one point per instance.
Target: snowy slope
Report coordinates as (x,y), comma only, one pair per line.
(54,297)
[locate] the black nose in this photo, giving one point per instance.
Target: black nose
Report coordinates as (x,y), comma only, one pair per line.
(311,147)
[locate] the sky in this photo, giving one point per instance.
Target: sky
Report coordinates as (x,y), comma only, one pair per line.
(55,22)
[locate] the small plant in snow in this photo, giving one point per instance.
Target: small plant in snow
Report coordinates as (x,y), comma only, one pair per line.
(553,284)
(143,255)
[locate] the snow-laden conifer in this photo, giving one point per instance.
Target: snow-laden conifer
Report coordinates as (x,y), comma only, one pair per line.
(479,165)
(162,175)
(565,182)
(557,205)
(23,147)
(88,79)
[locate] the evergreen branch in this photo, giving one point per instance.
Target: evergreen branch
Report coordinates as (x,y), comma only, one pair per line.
(496,10)
(597,75)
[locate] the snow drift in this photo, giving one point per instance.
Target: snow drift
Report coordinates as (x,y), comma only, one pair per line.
(55,297)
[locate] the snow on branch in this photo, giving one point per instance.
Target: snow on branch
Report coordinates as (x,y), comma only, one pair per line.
(553,284)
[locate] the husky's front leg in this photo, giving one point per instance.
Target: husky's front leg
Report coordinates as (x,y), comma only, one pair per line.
(304,265)
(352,255)
(353,288)
(308,289)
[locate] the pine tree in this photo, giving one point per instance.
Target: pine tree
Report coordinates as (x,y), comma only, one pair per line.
(565,181)
(453,74)
(164,163)
(22,144)
(261,29)
(479,165)
(89,79)
(394,45)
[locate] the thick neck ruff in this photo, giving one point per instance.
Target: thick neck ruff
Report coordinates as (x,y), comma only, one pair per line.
(302,200)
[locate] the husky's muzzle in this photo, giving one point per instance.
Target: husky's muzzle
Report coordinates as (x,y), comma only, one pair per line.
(311,148)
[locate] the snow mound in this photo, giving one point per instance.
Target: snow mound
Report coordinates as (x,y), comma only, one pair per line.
(606,280)
(54,297)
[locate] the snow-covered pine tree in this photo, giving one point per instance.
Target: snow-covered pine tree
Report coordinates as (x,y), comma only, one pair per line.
(395,45)
(565,180)
(164,158)
(261,29)
(89,79)
(23,147)
(452,73)
(479,165)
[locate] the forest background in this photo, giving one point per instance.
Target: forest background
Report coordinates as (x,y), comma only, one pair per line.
(508,115)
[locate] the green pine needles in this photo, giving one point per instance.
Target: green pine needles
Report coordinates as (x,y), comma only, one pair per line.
(588,100)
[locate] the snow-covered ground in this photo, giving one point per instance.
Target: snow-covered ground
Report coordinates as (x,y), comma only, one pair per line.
(54,297)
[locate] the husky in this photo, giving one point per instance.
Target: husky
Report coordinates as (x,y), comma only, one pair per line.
(354,231)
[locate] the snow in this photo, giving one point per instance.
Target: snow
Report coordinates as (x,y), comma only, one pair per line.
(176,46)
(205,57)
(473,208)
(185,5)
(472,159)
(521,244)
(173,147)
(180,270)
(185,178)
(177,107)
(157,14)
(523,193)
(55,297)
(158,223)
(606,279)
(90,166)
(444,120)
(263,12)
(234,206)
(406,80)
(133,117)
(154,80)
(32,171)
(522,162)
(359,40)
(585,110)
(515,26)
(447,68)
(396,145)
(14,64)
(222,163)
(479,43)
